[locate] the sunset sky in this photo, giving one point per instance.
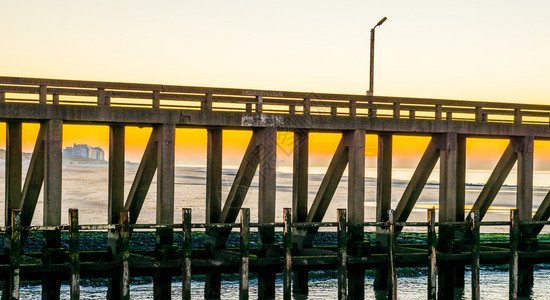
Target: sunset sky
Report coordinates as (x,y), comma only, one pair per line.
(471,50)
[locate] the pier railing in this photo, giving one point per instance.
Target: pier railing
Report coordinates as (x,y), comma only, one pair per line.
(116,94)
(71,263)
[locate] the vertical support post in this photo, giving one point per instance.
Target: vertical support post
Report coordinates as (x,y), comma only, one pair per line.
(307,106)
(12,290)
(517,116)
(245,251)
(287,245)
(116,173)
(266,208)
(438,111)
(116,198)
(124,291)
(514,256)
(447,145)
(74,254)
(342,255)
(2,97)
(334,111)
(101,97)
(397,110)
(352,108)
(212,288)
(392,288)
(186,259)
(207,102)
(460,197)
(356,206)
(474,226)
(165,206)
(524,204)
(432,242)
(14,152)
(52,203)
(300,198)
(383,202)
(55,99)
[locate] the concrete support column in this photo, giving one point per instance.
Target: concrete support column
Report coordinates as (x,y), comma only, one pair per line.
(383,201)
(13,169)
(266,207)
(356,206)
(300,198)
(447,145)
(212,288)
(524,204)
(165,205)
(460,197)
(52,202)
(116,200)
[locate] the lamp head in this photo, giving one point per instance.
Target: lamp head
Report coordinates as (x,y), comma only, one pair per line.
(381,21)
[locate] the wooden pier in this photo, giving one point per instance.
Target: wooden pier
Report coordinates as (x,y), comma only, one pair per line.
(52,103)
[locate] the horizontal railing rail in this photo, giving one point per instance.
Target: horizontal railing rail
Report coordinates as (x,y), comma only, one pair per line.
(117,94)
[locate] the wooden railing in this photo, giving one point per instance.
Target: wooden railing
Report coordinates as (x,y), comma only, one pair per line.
(71,92)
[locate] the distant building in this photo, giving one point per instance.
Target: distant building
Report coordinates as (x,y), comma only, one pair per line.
(83,150)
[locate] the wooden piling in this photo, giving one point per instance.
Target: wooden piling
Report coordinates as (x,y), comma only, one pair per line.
(432,242)
(124,256)
(474,225)
(392,285)
(186,259)
(342,255)
(287,246)
(245,251)
(14,256)
(74,255)
(514,257)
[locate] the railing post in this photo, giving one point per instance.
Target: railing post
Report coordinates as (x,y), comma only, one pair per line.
(124,256)
(352,108)
(432,242)
(2,97)
(292,109)
(156,99)
(372,110)
(259,104)
(342,255)
(474,226)
(392,286)
(186,260)
(206,104)
(14,256)
(101,97)
(248,108)
(307,106)
(438,111)
(74,255)
(412,114)
(517,116)
(245,251)
(43,94)
(55,99)
(514,257)
(333,111)
(479,114)
(449,116)
(287,245)
(397,110)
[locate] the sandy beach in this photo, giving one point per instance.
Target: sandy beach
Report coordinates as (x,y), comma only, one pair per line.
(85,187)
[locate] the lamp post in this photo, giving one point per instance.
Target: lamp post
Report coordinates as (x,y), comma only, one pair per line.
(370,92)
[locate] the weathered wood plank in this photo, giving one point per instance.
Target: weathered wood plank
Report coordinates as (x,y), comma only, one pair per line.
(143,178)
(474,225)
(124,256)
(287,249)
(74,255)
(244,253)
(14,256)
(432,253)
(392,286)
(186,248)
(342,255)
(514,255)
